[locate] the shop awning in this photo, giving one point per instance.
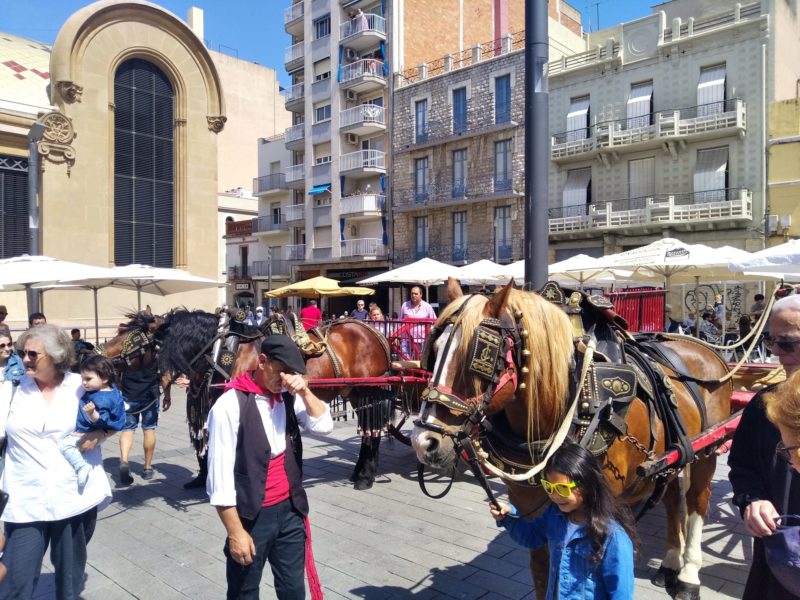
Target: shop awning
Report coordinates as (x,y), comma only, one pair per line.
(318,189)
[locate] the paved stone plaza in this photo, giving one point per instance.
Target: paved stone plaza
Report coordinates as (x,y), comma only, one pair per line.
(157,541)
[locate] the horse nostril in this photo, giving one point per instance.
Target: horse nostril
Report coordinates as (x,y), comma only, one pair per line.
(433,445)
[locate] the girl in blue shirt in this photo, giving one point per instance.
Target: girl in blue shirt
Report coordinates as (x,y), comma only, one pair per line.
(589,535)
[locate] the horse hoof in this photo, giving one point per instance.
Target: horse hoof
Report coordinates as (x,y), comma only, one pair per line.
(665,578)
(687,591)
(363,484)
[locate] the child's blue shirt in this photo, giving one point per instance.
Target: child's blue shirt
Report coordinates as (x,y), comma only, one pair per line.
(111,406)
(571,571)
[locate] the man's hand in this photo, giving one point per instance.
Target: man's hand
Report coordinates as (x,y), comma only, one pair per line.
(759,518)
(90,440)
(166,402)
(242,548)
(500,511)
(294,383)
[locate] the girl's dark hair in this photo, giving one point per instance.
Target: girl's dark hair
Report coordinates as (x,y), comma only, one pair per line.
(599,504)
(102,366)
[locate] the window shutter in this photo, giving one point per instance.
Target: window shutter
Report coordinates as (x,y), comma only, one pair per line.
(14,232)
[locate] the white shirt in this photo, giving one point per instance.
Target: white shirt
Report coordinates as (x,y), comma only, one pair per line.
(223,431)
(41,484)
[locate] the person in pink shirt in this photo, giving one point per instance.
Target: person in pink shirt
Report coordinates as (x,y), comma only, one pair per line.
(310,315)
(416,308)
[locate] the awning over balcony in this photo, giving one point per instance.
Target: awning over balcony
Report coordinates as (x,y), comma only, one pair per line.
(576,190)
(319,189)
(640,105)
(711,89)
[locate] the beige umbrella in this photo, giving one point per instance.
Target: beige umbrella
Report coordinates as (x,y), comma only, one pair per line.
(318,286)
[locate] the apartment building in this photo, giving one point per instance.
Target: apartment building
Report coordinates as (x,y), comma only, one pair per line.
(783,166)
(659,127)
(458,144)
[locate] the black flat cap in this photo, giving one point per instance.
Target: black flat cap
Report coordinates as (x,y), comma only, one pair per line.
(282,348)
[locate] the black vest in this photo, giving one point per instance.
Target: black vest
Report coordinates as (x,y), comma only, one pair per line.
(253,455)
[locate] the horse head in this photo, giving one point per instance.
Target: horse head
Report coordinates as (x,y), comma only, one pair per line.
(511,352)
(134,346)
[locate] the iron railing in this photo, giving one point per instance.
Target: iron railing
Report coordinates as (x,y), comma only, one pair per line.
(268,183)
(445,192)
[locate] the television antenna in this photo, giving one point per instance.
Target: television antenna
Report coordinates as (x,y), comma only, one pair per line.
(596,4)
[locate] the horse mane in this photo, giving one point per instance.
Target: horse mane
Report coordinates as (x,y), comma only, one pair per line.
(139,320)
(551,352)
(183,335)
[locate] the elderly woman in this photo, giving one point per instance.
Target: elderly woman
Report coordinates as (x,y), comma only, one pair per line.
(46,506)
(11,368)
(783,409)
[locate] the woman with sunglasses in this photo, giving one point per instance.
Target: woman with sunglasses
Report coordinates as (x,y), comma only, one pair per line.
(46,507)
(589,534)
(11,368)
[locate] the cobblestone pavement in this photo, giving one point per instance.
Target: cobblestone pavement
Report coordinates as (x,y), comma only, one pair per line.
(157,541)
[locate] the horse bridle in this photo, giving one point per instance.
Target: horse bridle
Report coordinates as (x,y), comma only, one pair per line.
(497,354)
(136,345)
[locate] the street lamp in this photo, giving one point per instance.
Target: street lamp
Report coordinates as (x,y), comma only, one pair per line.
(34,136)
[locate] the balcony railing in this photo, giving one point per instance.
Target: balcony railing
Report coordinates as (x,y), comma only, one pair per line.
(369,23)
(277,267)
(296,212)
(363,159)
(295,172)
(363,247)
(362,115)
(239,272)
(292,13)
(295,252)
(732,204)
(366,67)
(295,93)
(362,203)
(443,127)
(269,183)
(293,53)
(693,121)
(475,190)
(268,223)
(295,133)
(505,251)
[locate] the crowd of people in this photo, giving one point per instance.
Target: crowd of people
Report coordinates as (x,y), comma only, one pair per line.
(56,410)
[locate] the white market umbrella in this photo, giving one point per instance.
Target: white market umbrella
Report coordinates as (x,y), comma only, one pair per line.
(483,272)
(580,269)
(779,260)
(424,272)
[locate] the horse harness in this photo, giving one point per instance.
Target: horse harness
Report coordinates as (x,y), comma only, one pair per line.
(620,368)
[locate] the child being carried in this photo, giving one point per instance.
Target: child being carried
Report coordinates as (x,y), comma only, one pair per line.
(102,407)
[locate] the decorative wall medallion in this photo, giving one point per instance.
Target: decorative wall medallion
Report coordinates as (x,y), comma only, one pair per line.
(640,38)
(216,124)
(70,91)
(56,140)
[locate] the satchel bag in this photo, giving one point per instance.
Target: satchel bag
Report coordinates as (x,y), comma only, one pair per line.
(783,551)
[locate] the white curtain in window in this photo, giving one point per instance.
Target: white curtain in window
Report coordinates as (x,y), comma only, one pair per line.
(639,106)
(578,119)
(576,190)
(642,178)
(711,174)
(711,91)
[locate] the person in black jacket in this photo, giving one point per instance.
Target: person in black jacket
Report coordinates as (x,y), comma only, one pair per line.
(763,484)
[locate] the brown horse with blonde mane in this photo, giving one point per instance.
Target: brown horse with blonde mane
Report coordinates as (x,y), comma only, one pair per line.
(532,390)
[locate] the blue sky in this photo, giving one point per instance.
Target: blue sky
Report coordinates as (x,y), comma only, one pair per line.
(249,29)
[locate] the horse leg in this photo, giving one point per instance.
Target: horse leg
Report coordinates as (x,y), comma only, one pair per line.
(540,566)
(667,574)
(698,495)
(370,468)
(362,457)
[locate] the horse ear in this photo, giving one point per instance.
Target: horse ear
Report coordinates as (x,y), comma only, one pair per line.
(498,302)
(148,311)
(453,289)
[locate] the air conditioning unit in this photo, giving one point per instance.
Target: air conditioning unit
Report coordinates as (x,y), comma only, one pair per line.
(350,54)
(350,96)
(351,138)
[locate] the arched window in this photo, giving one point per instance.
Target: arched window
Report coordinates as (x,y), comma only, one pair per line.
(144,180)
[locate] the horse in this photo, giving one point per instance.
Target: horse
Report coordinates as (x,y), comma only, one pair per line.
(505,372)
(350,349)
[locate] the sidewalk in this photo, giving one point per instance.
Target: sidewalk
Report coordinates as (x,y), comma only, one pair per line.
(157,541)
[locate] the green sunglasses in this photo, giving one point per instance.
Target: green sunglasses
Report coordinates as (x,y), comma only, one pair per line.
(562,489)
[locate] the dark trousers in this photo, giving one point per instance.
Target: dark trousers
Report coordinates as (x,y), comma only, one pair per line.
(761,583)
(26,544)
(279,536)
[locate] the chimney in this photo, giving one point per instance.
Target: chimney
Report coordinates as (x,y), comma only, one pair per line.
(500,18)
(195,21)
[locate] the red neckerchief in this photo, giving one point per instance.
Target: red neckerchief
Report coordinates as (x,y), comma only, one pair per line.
(246,383)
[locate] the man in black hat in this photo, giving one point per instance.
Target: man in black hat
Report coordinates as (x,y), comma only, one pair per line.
(255,471)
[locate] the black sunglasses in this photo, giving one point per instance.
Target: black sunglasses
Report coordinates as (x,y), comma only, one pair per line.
(9,345)
(32,354)
(786,453)
(784,345)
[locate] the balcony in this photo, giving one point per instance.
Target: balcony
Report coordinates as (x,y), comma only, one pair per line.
(293,19)
(696,123)
(295,252)
(295,137)
(321,216)
(366,119)
(239,272)
(270,224)
(460,192)
(295,176)
(362,206)
(295,98)
(266,268)
(713,209)
(269,184)
(363,163)
(364,75)
(293,56)
(463,252)
(294,213)
(363,32)
(364,248)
